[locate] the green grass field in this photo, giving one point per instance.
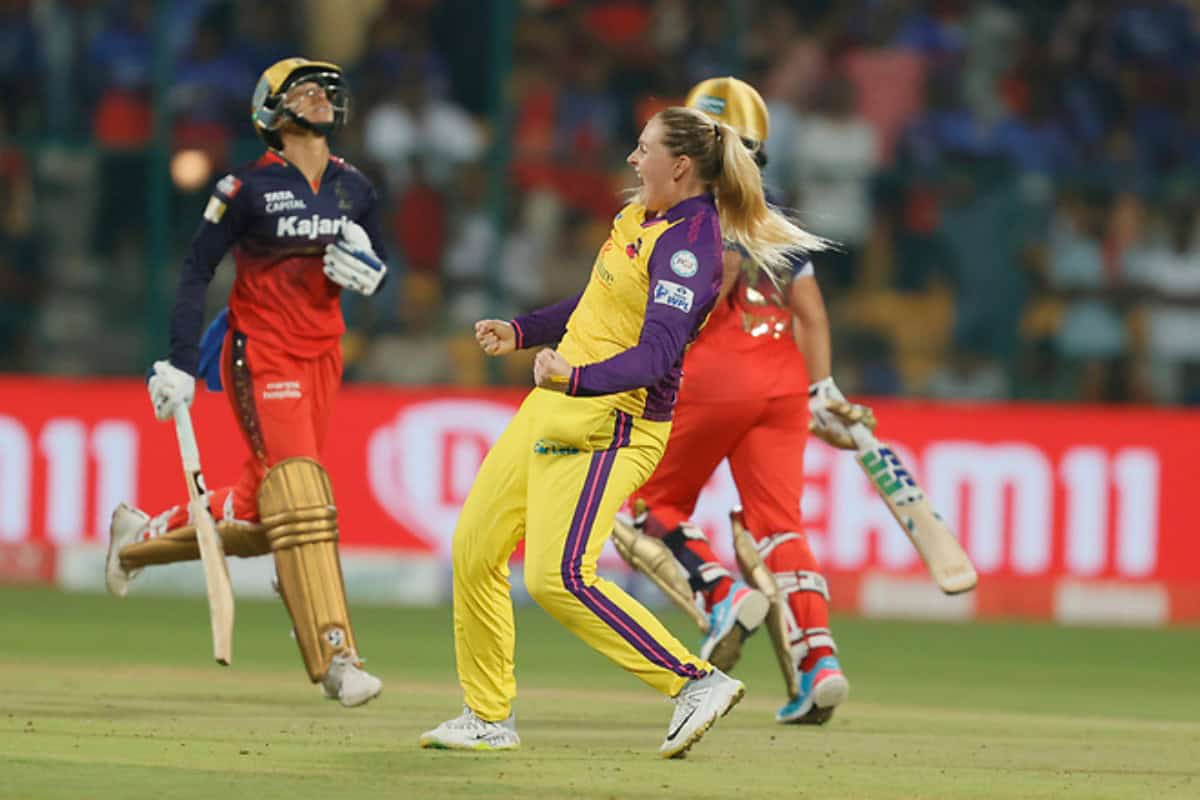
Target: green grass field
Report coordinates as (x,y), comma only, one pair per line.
(101,698)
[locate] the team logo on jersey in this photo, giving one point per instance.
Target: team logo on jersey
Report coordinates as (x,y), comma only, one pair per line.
(282,200)
(309,227)
(684,263)
(229,186)
(674,295)
(343,197)
(226,189)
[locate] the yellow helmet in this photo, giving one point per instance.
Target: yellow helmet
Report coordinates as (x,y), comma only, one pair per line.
(267,111)
(734,102)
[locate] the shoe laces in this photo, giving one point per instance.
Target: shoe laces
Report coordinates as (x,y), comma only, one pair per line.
(348,659)
(342,664)
(468,721)
(686,702)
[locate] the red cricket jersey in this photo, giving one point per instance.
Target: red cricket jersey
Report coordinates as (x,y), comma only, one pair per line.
(747,348)
(276,225)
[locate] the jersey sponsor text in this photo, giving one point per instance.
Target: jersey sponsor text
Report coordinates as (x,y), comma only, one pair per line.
(309,227)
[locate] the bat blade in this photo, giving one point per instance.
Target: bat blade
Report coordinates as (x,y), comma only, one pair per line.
(940,550)
(944,557)
(212,552)
(216,581)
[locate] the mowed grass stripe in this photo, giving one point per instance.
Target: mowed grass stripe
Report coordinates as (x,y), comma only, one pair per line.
(123,703)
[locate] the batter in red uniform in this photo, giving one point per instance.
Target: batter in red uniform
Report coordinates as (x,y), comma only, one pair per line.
(301,226)
(752,380)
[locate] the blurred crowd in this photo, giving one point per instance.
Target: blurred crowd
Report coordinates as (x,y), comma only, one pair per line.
(1013,184)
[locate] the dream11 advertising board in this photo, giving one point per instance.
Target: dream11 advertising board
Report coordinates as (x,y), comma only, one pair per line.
(1040,495)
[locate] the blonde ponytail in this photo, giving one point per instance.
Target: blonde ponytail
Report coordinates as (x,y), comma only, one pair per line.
(763,232)
(728,167)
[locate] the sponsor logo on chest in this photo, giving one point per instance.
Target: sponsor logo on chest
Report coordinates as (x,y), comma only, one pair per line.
(602,271)
(549,447)
(282,200)
(296,227)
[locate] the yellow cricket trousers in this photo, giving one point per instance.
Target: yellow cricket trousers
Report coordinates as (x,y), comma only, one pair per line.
(556,477)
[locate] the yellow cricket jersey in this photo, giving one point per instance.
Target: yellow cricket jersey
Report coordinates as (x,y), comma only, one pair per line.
(652,286)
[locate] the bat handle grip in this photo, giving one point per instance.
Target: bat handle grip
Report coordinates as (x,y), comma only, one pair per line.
(189,452)
(862,436)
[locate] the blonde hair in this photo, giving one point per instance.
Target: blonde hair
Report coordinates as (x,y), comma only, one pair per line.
(727,167)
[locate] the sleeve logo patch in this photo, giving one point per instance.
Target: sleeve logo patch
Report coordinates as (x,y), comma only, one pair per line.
(214,210)
(229,186)
(684,263)
(674,296)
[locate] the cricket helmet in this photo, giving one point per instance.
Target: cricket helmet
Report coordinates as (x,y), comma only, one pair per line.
(267,109)
(734,102)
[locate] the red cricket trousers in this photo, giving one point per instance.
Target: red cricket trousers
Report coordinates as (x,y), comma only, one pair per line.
(282,404)
(762,437)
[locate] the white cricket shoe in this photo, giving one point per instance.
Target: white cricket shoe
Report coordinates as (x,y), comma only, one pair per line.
(697,706)
(125,529)
(348,683)
(468,732)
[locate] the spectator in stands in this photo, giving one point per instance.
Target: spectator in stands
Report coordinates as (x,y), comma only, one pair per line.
(836,154)
(969,375)
(950,95)
(20,259)
(411,122)
(1034,138)
(264,35)
(20,65)
(119,68)
(1091,337)
(987,231)
(1167,269)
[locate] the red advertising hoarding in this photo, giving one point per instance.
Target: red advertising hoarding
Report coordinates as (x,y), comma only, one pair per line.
(1036,493)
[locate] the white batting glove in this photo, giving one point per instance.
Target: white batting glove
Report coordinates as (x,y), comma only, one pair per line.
(832,414)
(170,387)
(352,264)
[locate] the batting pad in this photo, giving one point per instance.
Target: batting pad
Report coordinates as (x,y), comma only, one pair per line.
(655,560)
(779,621)
(295,504)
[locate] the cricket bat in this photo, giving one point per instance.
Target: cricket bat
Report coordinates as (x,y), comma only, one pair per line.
(212,553)
(944,557)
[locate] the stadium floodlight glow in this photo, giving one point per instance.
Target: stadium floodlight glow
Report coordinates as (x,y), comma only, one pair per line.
(191,169)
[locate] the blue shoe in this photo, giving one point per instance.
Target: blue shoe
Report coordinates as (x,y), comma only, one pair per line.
(822,688)
(730,622)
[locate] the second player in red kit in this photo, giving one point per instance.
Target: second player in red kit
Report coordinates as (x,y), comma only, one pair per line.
(753,379)
(301,225)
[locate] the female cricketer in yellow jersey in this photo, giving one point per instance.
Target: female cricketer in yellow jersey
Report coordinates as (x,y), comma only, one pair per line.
(595,427)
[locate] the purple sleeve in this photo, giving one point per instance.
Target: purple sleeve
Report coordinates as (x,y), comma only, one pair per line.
(545,325)
(685,276)
(212,240)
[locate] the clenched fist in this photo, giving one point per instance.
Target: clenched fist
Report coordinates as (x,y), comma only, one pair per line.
(496,337)
(551,371)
